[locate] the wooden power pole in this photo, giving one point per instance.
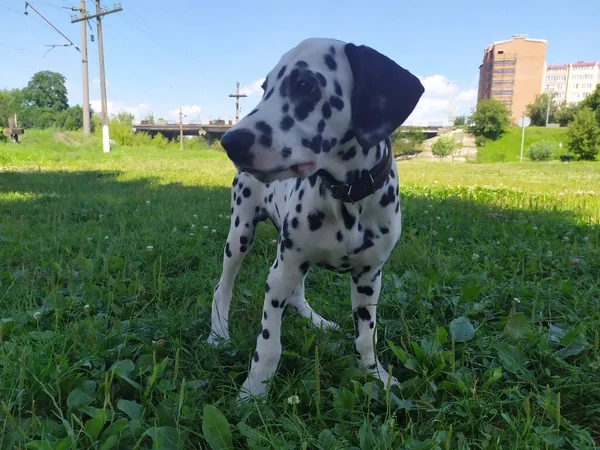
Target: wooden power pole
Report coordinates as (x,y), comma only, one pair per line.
(98,16)
(84,69)
(180,129)
(237,96)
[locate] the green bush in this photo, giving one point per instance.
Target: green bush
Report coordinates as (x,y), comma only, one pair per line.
(541,151)
(444,146)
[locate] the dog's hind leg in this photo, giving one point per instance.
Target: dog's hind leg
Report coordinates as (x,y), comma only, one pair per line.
(240,241)
(298,301)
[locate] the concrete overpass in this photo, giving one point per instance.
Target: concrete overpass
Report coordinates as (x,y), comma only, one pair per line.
(217,129)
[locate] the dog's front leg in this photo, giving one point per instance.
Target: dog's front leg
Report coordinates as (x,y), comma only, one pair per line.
(365,294)
(283,278)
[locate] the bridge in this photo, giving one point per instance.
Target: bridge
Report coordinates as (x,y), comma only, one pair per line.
(170,130)
(217,128)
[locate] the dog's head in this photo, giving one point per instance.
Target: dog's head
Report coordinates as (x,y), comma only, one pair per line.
(322,102)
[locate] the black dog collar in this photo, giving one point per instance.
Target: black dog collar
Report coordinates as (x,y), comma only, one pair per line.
(364,186)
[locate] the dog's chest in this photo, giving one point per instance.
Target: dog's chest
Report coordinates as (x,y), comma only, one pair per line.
(340,237)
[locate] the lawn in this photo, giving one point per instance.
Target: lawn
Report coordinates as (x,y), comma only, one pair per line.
(489,312)
(508,147)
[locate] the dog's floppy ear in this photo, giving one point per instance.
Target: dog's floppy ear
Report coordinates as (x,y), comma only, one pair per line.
(384,94)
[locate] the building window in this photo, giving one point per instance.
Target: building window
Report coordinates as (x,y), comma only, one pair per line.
(502,92)
(500,71)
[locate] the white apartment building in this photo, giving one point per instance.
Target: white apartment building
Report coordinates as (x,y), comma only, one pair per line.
(571,83)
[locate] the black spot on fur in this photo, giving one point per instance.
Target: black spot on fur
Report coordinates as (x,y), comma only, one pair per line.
(315,220)
(397,206)
(243,248)
(321,78)
(338,88)
(286,152)
(388,197)
(275,303)
(265,315)
(264,127)
(363,313)
(295,222)
(268,96)
(321,126)
(236,223)
(384,230)
(267,287)
(365,290)
(336,102)
(255,356)
(265,140)
(315,144)
(285,108)
(281,72)
(339,236)
(372,325)
(243,240)
(228,250)
(247,192)
(330,61)
(299,208)
(301,64)
(266,334)
(254,111)
(349,219)
(348,154)
(304,267)
(238,201)
(347,137)
(326,110)
(286,123)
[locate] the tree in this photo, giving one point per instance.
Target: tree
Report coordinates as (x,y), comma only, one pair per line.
(9,105)
(538,109)
(592,101)
(565,113)
(46,89)
(583,135)
(460,121)
(444,146)
(490,119)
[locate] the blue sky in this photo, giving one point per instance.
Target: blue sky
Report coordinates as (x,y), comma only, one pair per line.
(162,55)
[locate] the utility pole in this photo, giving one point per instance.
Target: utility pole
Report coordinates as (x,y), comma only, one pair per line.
(84,68)
(237,96)
(98,16)
(180,129)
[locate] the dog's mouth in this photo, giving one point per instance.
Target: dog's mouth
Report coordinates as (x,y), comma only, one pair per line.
(281,172)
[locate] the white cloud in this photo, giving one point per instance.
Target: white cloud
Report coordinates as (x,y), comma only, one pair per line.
(434,106)
(191,111)
(253,88)
(139,111)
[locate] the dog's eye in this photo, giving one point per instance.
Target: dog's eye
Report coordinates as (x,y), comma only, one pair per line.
(304,87)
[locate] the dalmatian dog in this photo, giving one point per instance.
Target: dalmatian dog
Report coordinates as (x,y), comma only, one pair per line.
(314,157)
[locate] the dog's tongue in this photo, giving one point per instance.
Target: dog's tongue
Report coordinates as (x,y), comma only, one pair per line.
(305,167)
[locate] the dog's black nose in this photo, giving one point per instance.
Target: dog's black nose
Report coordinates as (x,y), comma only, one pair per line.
(237,144)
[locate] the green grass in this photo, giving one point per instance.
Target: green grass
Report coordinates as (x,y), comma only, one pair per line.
(508,147)
(107,266)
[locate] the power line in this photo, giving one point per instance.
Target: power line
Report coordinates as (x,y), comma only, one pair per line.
(29,5)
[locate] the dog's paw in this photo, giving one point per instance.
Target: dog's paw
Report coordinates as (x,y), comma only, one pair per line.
(216,341)
(387,379)
(251,390)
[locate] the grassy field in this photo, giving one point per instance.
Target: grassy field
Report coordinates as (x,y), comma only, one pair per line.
(508,147)
(489,312)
